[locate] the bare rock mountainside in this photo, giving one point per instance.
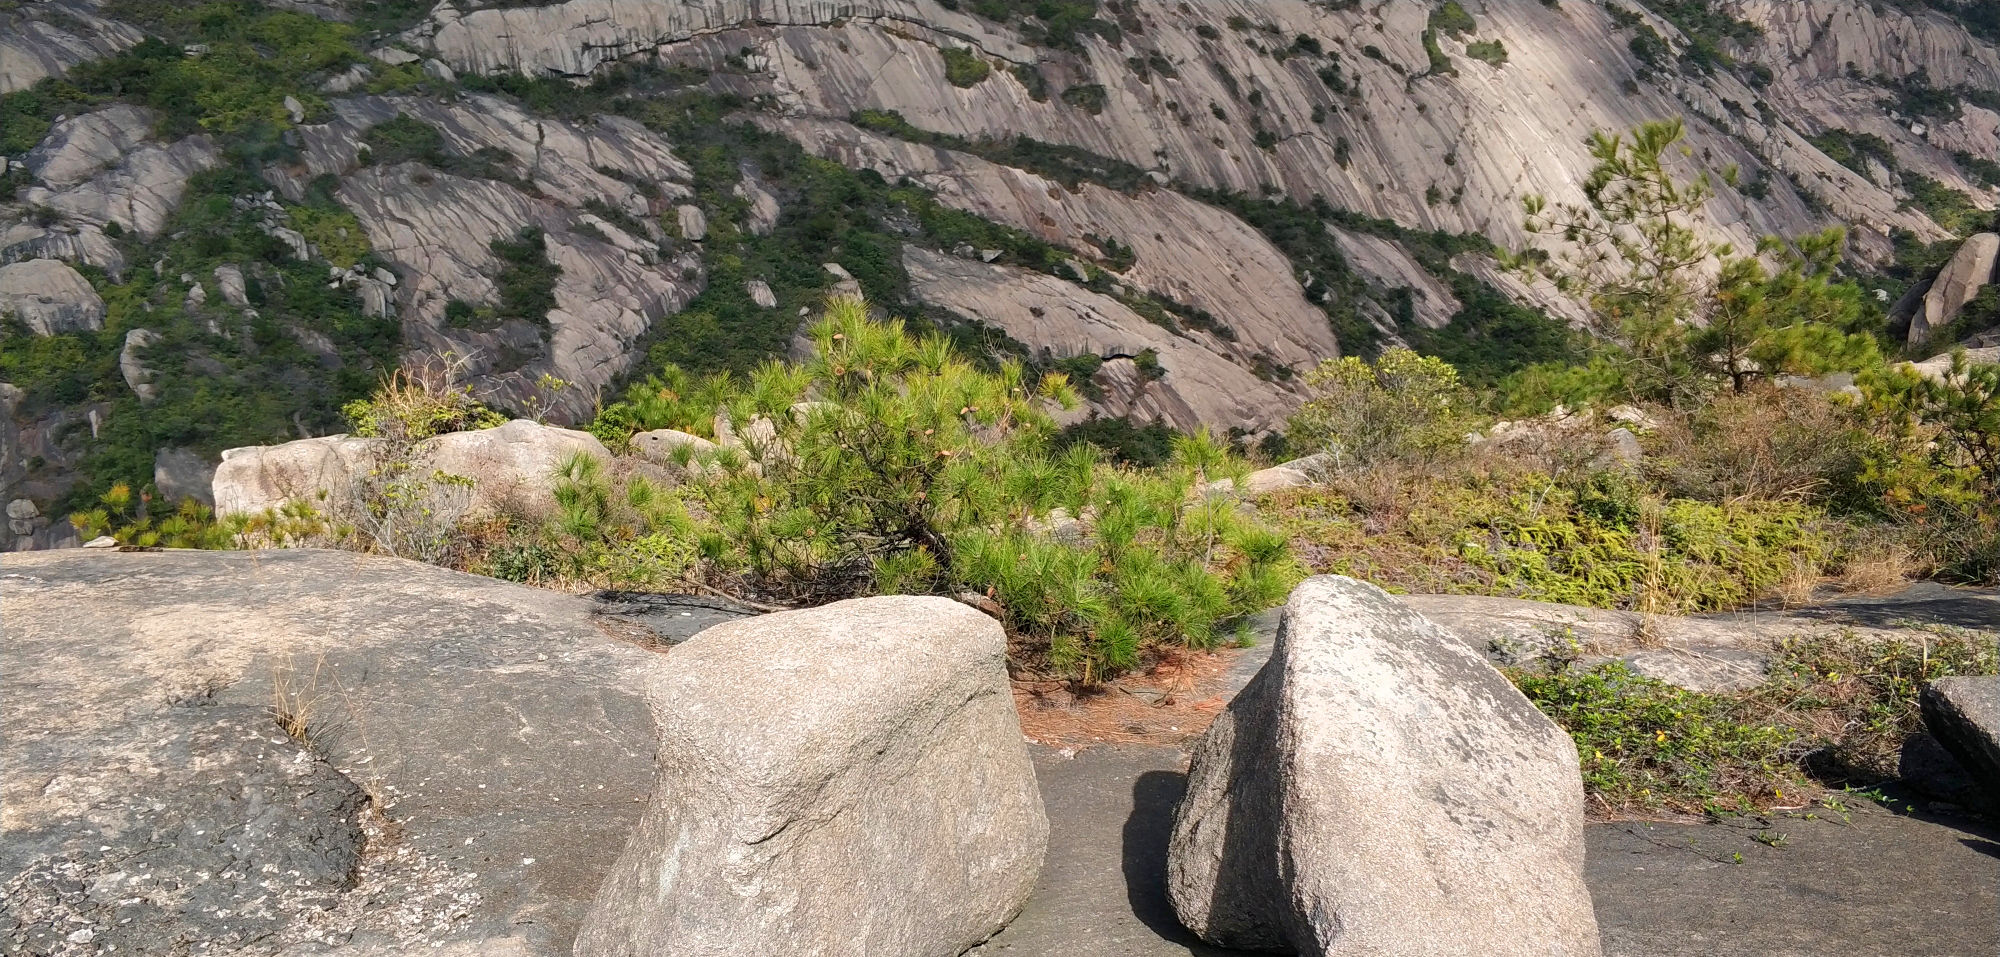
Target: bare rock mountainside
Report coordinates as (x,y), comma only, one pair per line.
(220,222)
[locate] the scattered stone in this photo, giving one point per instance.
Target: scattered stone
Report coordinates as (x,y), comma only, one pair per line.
(229,282)
(101,541)
(295,109)
(436,70)
(49,297)
(138,376)
(1625,448)
(761,294)
(849,779)
(693,223)
(196,297)
(1376,785)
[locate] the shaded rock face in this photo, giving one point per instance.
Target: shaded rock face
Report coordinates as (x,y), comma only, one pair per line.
(1961,280)
(512,466)
(849,780)
(477,754)
(49,297)
(1963,714)
(183,473)
(1379,788)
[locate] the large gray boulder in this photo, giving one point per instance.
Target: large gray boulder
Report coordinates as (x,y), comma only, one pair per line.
(317,472)
(1379,788)
(465,762)
(1963,714)
(49,298)
(849,780)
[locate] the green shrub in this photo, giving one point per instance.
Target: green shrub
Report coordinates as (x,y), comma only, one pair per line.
(964,68)
(1089,97)
(1490,52)
(1645,744)
(123,516)
(1401,407)
(417,402)
(887,463)
(1451,19)
(527,279)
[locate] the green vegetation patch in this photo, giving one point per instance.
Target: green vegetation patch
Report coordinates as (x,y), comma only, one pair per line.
(964,68)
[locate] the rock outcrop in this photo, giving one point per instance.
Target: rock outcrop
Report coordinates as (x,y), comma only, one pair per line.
(1380,789)
(1970,270)
(510,469)
(301,751)
(41,40)
(438,227)
(847,780)
(49,298)
(1198,383)
(183,474)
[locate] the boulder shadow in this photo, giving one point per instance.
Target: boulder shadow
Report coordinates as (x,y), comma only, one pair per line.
(1148,829)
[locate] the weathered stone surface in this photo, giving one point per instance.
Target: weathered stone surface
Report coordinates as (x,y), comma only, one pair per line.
(437,229)
(82,146)
(49,297)
(182,474)
(512,466)
(1968,272)
(761,294)
(475,755)
(1963,714)
(1380,789)
(693,223)
(316,471)
(849,780)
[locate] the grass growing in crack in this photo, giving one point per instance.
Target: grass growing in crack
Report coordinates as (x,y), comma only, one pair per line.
(1835,714)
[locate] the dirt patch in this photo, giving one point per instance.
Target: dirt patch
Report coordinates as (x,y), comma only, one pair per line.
(1170,703)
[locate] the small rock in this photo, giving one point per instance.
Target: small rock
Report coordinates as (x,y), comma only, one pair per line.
(296,109)
(693,223)
(229,282)
(761,294)
(436,70)
(101,541)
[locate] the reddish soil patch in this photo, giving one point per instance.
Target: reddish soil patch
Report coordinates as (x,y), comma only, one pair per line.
(1170,703)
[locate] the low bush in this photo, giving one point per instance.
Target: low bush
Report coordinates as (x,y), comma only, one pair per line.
(1402,407)
(1836,712)
(887,463)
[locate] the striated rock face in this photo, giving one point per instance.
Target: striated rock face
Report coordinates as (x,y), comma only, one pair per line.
(1389,267)
(49,298)
(138,190)
(41,40)
(1482,137)
(845,780)
(1201,383)
(437,228)
(1378,788)
(1962,279)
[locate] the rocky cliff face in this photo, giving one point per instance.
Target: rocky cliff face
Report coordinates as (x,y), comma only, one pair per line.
(1198,201)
